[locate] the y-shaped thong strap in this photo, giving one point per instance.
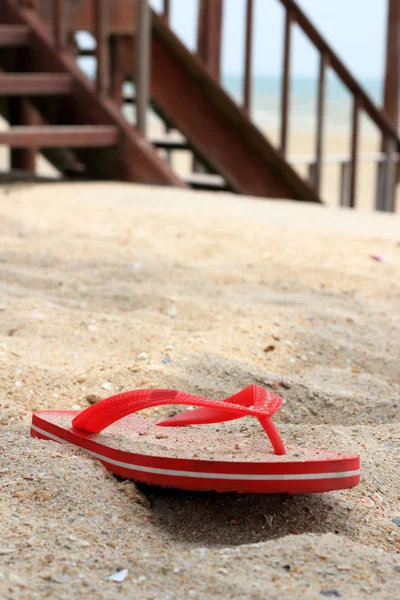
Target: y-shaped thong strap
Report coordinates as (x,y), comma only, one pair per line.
(253,400)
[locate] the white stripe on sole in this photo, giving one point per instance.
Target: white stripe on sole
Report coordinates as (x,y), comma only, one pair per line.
(205,475)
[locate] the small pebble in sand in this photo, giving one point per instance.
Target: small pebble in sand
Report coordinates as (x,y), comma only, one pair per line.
(4,551)
(119,576)
(93,398)
(396,522)
(161,436)
(142,356)
(81,379)
(3,307)
(285,385)
(17,580)
(107,386)
(269,519)
(377,498)
(269,348)
(366,502)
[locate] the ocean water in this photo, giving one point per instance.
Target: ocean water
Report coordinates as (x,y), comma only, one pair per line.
(266,99)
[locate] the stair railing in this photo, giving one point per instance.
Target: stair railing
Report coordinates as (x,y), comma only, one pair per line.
(387,166)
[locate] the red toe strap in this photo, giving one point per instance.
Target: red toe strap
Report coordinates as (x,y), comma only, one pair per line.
(252,401)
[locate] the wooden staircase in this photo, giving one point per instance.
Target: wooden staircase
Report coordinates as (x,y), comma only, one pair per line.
(52,107)
(80,127)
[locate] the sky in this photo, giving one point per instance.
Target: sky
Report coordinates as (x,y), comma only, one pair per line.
(355,28)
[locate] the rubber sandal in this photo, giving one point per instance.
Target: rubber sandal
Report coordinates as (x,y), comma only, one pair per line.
(178,453)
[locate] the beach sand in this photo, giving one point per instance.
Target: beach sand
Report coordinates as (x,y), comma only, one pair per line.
(95,275)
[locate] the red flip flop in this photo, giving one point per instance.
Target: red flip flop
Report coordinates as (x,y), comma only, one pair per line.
(172,454)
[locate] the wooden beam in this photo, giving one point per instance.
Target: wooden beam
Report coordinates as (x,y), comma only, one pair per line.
(35,84)
(391,104)
(122,15)
(69,136)
(12,36)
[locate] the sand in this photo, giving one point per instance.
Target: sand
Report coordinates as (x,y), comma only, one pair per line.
(110,287)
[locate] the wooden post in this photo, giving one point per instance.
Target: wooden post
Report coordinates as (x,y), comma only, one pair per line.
(391,105)
(117,69)
(21,112)
(386,184)
(312,174)
(209,35)
(344,184)
(386,178)
(285,107)
(354,151)
(101,32)
(248,57)
(167,10)
(143,64)
(320,122)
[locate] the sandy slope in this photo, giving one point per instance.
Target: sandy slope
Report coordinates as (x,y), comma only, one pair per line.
(94,275)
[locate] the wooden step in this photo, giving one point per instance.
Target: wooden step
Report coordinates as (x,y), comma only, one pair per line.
(35,84)
(12,36)
(66,136)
